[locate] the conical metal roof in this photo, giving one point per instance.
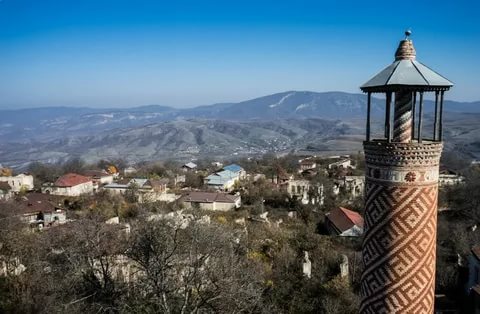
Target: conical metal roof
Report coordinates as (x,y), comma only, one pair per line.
(406,73)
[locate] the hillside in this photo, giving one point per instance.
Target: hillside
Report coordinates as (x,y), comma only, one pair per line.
(332,122)
(183,139)
(45,124)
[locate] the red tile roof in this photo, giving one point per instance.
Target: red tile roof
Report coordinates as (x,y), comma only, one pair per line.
(344,219)
(71,179)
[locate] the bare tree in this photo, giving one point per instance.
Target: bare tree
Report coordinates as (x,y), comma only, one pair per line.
(193,270)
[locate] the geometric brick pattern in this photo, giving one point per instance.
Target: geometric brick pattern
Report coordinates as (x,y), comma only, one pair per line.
(399,248)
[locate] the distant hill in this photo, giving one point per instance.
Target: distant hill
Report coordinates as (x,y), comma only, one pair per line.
(45,124)
(184,139)
(278,122)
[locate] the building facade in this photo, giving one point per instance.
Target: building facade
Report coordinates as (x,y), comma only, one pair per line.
(70,184)
(216,201)
(19,182)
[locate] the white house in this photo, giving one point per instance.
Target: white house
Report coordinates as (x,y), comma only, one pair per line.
(305,191)
(344,163)
(19,182)
(352,185)
(70,184)
(307,164)
(448,177)
(211,200)
(144,189)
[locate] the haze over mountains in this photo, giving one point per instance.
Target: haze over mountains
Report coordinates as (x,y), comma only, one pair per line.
(278,122)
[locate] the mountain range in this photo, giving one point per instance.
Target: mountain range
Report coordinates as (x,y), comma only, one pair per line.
(278,122)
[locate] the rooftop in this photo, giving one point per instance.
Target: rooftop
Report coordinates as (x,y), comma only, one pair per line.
(190,165)
(406,72)
(233,168)
(344,219)
(71,179)
(38,202)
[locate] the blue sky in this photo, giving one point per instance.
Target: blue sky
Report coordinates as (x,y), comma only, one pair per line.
(103,53)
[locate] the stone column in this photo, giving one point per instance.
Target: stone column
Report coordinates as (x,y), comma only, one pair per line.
(402,119)
(400,227)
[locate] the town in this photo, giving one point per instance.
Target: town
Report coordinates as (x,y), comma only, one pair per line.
(240,157)
(299,216)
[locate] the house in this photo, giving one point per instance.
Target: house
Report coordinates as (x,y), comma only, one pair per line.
(70,184)
(343,163)
(124,185)
(449,177)
(344,222)
(190,166)
(352,185)
(99,177)
(226,178)
(159,185)
(223,180)
(297,188)
(307,164)
(305,191)
(179,179)
(5,191)
(237,170)
(144,189)
(211,200)
(21,182)
(41,210)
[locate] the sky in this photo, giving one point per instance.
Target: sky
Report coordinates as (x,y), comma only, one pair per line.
(105,53)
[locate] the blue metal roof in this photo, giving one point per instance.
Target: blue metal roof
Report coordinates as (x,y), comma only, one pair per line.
(233,168)
(221,178)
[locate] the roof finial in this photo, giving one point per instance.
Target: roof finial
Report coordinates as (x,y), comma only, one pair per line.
(408,32)
(405,50)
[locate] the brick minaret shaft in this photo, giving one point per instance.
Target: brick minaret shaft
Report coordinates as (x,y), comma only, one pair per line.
(400,215)
(402,120)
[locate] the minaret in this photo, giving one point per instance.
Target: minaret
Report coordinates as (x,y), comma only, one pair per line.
(401,190)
